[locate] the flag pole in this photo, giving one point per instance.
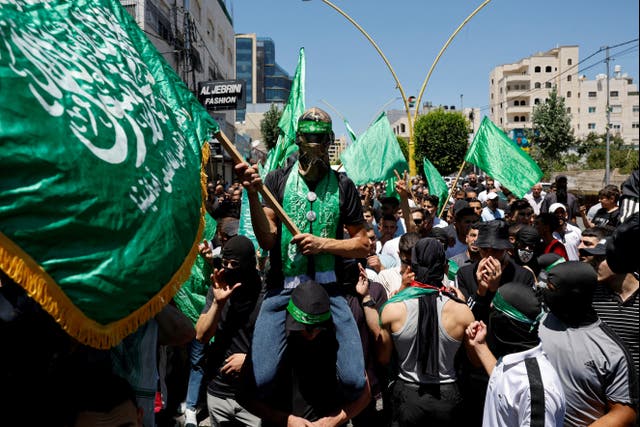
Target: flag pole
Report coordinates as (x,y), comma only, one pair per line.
(453,185)
(264,191)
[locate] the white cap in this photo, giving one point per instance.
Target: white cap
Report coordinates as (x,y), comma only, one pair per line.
(554,207)
(492,195)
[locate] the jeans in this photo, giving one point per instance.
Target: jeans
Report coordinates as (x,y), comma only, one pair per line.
(196,362)
(269,343)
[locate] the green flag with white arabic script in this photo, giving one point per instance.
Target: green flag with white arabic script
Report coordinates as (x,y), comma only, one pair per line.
(497,155)
(288,123)
(100,146)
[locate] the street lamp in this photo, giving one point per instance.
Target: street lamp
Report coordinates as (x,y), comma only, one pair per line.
(410,120)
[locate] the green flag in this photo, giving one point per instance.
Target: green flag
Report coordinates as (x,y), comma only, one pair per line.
(352,134)
(498,156)
(101,193)
(375,155)
(192,295)
(437,186)
(288,123)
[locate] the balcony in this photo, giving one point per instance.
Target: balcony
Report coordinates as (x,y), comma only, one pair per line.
(518,78)
(520,109)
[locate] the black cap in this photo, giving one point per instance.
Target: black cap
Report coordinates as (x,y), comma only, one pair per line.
(493,235)
(461,208)
(599,249)
(308,307)
(622,246)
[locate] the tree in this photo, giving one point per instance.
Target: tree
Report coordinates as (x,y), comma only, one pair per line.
(404,147)
(442,138)
(269,126)
(552,134)
(621,157)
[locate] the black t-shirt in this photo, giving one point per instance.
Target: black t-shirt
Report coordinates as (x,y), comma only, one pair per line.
(602,218)
(466,280)
(306,384)
(234,334)
(350,214)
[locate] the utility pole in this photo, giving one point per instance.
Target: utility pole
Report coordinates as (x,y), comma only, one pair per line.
(607,155)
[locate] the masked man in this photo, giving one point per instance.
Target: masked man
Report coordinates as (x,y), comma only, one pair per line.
(524,388)
(321,203)
(593,364)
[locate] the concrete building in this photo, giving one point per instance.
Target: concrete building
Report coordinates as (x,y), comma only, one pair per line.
(266,81)
(399,121)
(624,107)
(196,38)
(335,149)
(515,89)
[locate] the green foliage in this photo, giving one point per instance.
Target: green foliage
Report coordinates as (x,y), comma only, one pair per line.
(442,138)
(404,147)
(269,126)
(552,134)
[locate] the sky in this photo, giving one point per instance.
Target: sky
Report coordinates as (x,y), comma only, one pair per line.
(344,70)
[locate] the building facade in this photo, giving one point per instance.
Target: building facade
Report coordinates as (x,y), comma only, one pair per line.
(196,38)
(515,89)
(266,81)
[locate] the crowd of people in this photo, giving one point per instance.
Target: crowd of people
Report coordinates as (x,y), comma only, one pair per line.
(379,307)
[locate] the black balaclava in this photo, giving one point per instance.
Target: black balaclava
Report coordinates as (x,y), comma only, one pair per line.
(527,246)
(427,261)
(569,291)
(513,320)
(241,249)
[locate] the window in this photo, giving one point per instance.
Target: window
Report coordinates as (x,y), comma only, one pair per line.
(547,69)
(616,126)
(536,101)
(616,109)
(516,103)
(568,94)
(592,109)
(635,125)
(522,119)
(523,102)
(491,96)
(591,126)
(568,110)
(536,69)
(547,85)
(635,108)
(516,119)
(537,85)
(403,128)
(508,87)
(592,94)
(491,81)
(613,93)
(569,78)
(500,120)
(569,61)
(491,110)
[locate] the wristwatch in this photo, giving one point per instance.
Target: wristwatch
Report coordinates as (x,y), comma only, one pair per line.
(370,303)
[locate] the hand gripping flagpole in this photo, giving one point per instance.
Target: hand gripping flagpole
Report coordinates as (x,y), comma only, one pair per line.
(264,191)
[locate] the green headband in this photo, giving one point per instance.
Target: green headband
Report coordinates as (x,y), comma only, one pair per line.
(308,319)
(503,306)
(558,261)
(309,126)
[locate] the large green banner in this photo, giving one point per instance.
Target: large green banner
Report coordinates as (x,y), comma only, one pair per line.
(100,157)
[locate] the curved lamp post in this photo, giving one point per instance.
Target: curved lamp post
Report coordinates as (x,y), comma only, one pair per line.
(410,120)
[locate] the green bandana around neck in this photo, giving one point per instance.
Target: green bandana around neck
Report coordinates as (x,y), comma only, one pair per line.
(314,127)
(326,207)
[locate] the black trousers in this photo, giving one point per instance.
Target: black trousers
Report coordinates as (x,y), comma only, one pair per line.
(425,405)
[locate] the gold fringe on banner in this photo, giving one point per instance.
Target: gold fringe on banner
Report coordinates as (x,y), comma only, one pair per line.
(21,268)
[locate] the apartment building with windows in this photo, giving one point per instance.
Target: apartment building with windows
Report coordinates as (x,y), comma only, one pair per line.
(266,81)
(515,89)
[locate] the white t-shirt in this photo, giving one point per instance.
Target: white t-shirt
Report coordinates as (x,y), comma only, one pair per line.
(508,399)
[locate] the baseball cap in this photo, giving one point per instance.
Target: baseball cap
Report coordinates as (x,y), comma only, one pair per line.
(556,206)
(599,249)
(309,307)
(492,195)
